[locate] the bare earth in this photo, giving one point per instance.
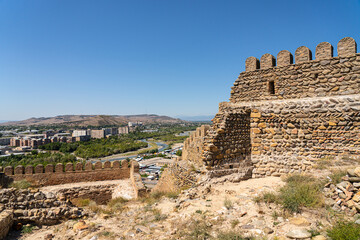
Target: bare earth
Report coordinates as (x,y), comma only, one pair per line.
(167,218)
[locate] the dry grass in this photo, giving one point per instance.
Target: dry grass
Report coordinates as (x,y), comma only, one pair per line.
(155,197)
(300,191)
(22,184)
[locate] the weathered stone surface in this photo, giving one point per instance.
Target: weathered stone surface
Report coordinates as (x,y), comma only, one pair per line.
(299,221)
(280,120)
(298,234)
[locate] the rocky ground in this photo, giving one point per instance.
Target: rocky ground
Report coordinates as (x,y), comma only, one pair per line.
(211,208)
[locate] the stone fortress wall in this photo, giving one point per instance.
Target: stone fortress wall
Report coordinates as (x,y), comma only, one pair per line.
(70,173)
(193,145)
(282,118)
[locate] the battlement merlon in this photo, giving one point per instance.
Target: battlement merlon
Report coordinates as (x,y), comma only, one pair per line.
(325,76)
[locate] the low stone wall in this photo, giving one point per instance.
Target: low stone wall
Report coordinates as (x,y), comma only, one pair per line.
(6,221)
(70,173)
(101,194)
(31,206)
(138,185)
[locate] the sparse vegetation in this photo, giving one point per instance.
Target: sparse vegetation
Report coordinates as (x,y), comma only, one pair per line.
(197,229)
(34,158)
(117,204)
(343,230)
(27,229)
(234,223)
(80,202)
(267,197)
(22,184)
(228,204)
(336,175)
(156,196)
(300,191)
(230,235)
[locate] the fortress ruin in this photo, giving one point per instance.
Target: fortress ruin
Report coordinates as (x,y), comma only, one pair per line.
(283,117)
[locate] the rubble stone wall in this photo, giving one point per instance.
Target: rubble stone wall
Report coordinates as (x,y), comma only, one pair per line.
(36,207)
(283,118)
(193,145)
(70,173)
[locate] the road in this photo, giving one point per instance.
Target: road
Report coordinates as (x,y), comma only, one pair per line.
(161,147)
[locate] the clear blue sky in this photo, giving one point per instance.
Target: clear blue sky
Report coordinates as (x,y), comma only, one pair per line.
(171,57)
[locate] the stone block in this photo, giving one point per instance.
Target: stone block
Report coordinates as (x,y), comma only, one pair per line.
(69,167)
(267,61)
(49,168)
(19,170)
(59,168)
(116,164)
(324,50)
(284,58)
(78,166)
(88,166)
(251,64)
(124,164)
(98,165)
(107,165)
(29,169)
(302,54)
(39,169)
(346,47)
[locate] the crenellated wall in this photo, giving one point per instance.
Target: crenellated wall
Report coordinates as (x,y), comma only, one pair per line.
(193,145)
(282,117)
(324,76)
(70,173)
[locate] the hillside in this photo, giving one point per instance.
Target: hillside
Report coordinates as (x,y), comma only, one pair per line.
(93,120)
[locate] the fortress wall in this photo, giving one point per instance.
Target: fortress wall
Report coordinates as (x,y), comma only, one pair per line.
(281,119)
(290,135)
(324,76)
(193,146)
(135,177)
(70,173)
(227,146)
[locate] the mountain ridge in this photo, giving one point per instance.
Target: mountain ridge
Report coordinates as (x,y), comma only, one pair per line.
(92,120)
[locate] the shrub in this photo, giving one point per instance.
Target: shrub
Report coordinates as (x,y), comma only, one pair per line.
(22,184)
(234,223)
(300,191)
(198,229)
(27,229)
(117,204)
(344,231)
(156,196)
(267,197)
(80,202)
(228,204)
(336,176)
(231,235)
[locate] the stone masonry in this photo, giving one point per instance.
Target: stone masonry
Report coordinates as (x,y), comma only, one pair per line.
(69,173)
(282,118)
(193,146)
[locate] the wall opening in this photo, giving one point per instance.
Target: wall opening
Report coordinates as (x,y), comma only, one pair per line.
(271,87)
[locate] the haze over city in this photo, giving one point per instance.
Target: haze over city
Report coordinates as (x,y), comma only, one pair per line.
(175,58)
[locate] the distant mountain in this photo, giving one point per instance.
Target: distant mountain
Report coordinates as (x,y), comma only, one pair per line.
(200,118)
(93,120)
(1,121)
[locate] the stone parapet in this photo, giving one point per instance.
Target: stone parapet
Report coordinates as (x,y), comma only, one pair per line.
(282,119)
(70,173)
(324,76)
